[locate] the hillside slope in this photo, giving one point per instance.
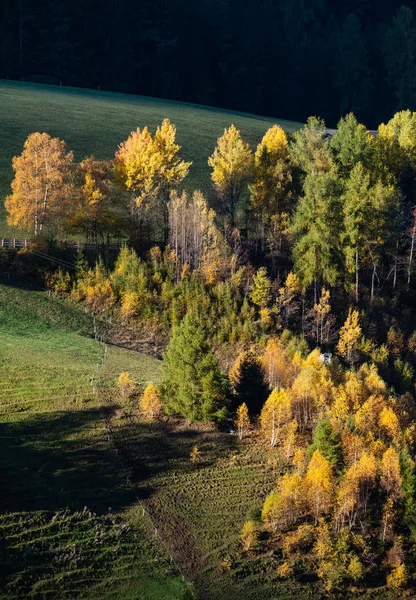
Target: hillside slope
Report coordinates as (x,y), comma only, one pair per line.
(93,122)
(63,531)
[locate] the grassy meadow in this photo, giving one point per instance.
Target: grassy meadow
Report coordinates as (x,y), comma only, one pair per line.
(93,122)
(63,530)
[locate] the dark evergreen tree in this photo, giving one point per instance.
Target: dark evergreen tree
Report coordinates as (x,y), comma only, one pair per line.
(248,381)
(192,384)
(327,442)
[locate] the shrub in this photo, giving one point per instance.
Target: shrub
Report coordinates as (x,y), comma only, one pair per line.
(150,404)
(249,536)
(126,385)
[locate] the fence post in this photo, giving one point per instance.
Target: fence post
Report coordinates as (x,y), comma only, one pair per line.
(14,243)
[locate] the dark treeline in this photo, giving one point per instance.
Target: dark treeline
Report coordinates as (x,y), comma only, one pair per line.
(254,55)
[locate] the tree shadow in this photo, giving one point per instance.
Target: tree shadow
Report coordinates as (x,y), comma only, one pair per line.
(61,460)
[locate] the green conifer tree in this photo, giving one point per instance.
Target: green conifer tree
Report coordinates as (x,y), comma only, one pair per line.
(192,383)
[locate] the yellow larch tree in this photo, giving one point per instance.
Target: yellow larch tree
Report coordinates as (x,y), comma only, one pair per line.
(150,168)
(319,485)
(389,422)
(349,337)
(242,420)
(231,165)
(269,191)
(150,403)
(96,212)
(367,417)
(276,364)
(42,188)
(249,536)
(126,384)
(172,169)
(391,482)
(354,491)
(275,414)
(284,505)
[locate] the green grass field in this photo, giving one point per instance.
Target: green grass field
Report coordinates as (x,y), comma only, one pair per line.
(93,122)
(64,532)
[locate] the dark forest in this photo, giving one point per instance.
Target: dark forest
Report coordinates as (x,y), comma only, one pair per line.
(257,56)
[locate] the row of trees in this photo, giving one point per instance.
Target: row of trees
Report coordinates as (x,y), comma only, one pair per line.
(352,56)
(342,207)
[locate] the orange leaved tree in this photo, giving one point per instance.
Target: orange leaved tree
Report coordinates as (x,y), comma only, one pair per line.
(42,187)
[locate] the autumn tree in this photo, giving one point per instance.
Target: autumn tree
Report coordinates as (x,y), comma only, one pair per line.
(276,364)
(172,168)
(98,209)
(126,384)
(191,228)
(195,455)
(260,289)
(275,414)
(249,536)
(192,383)
(149,167)
(242,420)
(287,301)
(231,165)
(284,505)
(270,189)
(349,336)
(42,188)
(319,485)
(391,483)
(321,321)
(150,403)
(354,491)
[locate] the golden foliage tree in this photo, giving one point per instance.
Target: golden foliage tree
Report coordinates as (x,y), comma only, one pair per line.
(42,187)
(150,403)
(242,420)
(319,485)
(269,191)
(284,506)
(97,210)
(195,456)
(231,165)
(249,536)
(349,337)
(322,321)
(354,490)
(391,481)
(150,168)
(276,364)
(275,414)
(126,384)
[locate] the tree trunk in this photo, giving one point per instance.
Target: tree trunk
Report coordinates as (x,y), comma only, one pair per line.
(356,275)
(373,276)
(412,245)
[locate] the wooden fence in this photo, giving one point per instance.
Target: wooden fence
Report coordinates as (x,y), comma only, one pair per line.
(14,243)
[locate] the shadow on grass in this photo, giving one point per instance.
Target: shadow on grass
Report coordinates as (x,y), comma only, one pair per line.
(59,460)
(149,450)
